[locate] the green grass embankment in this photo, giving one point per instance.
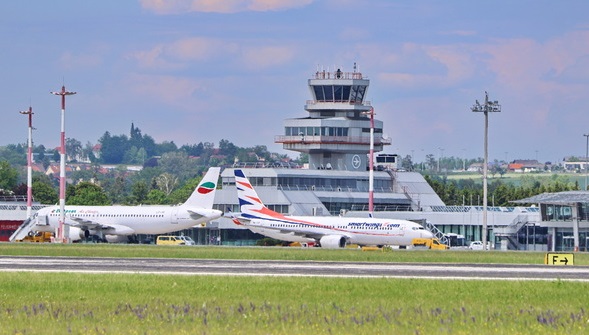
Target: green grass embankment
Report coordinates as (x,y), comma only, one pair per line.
(59,303)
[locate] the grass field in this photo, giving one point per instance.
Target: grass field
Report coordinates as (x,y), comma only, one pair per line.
(62,303)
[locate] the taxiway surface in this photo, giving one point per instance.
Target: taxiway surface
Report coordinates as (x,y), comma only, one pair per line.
(293,268)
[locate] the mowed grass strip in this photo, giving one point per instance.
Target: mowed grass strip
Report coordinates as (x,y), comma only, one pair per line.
(63,303)
(279,253)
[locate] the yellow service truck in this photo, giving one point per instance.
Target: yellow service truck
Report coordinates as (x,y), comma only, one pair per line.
(428,243)
(37,237)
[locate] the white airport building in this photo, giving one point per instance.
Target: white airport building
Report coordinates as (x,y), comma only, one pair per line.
(335,134)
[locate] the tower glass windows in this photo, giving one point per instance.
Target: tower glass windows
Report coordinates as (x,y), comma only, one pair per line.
(335,93)
(357,95)
(316,131)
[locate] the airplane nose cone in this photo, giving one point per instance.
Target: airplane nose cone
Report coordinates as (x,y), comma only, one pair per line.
(427,234)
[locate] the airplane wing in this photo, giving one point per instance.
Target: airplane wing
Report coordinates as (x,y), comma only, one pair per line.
(86,224)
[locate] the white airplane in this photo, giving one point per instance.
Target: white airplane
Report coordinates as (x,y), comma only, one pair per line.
(121,223)
(329,232)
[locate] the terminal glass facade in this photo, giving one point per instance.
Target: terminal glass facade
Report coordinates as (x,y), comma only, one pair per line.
(316,183)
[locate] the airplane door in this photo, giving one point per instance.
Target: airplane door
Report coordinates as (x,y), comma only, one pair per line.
(174,218)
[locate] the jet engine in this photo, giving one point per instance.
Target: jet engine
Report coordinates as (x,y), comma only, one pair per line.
(77,234)
(333,241)
(116,238)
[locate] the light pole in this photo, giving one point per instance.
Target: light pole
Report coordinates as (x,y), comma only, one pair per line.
(440,154)
(586,159)
(61,236)
(486,107)
(29,162)
(371,164)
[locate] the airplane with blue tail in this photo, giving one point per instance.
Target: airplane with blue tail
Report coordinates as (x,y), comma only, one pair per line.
(328,231)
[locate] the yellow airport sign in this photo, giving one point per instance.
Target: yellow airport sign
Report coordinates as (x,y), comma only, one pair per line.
(559,259)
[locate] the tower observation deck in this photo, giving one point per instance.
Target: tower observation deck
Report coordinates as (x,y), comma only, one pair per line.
(336,134)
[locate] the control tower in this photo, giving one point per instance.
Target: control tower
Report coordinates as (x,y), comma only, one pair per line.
(336,134)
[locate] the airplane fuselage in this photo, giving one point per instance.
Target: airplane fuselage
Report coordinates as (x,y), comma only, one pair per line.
(125,220)
(355,230)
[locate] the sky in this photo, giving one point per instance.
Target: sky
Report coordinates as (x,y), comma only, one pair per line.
(193,71)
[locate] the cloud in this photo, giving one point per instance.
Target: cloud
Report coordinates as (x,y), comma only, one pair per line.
(69,60)
(199,49)
(196,51)
(164,7)
(181,53)
(152,58)
(423,66)
(171,90)
(267,56)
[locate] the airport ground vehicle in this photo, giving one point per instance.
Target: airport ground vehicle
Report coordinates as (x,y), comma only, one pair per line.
(187,240)
(456,241)
(429,243)
(38,237)
(170,240)
(476,245)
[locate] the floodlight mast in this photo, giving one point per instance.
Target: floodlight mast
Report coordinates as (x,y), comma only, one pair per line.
(586,160)
(29,162)
(62,237)
(371,164)
(486,107)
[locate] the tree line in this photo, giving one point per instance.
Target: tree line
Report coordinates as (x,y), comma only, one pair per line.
(169,173)
(499,192)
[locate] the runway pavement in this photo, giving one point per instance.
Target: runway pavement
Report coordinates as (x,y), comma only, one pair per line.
(293,268)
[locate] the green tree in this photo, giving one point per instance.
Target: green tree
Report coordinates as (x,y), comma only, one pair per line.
(156,197)
(8,176)
(166,146)
(139,191)
(228,149)
(113,148)
(179,165)
(73,149)
(181,194)
(87,194)
(15,154)
(166,182)
(407,163)
(43,190)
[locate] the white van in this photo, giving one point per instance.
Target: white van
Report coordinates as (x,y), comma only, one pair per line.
(187,240)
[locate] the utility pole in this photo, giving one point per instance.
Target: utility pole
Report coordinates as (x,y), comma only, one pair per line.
(586,159)
(29,162)
(486,107)
(371,164)
(62,236)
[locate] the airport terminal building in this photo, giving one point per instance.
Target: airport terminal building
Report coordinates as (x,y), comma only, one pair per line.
(336,134)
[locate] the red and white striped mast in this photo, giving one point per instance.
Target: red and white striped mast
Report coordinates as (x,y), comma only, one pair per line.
(29,162)
(61,237)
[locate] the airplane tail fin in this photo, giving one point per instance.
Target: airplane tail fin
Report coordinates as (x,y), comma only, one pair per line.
(249,201)
(204,194)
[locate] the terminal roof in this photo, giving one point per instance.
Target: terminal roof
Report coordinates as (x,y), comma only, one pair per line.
(567,197)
